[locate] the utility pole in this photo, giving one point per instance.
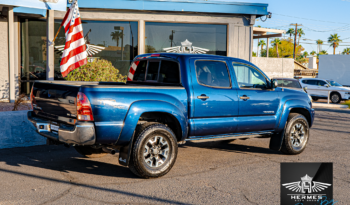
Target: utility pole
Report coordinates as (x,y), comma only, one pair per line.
(171,37)
(295,37)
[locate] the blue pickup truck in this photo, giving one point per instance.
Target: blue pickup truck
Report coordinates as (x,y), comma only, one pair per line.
(170,99)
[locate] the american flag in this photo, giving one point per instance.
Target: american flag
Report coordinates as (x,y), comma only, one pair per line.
(132,70)
(74,54)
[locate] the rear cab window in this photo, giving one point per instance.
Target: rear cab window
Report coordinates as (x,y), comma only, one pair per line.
(155,70)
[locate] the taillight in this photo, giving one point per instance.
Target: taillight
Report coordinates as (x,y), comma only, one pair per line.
(155,55)
(84,110)
(32,98)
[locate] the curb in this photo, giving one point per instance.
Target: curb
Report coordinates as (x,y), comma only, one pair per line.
(325,105)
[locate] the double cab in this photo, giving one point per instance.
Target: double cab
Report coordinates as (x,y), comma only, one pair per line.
(167,100)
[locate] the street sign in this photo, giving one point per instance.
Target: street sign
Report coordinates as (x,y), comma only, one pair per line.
(59,5)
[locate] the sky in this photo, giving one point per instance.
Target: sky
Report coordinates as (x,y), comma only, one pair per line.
(320,19)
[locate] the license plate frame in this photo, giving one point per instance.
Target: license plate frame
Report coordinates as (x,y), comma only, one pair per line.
(54,128)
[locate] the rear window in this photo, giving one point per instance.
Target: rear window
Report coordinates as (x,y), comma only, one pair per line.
(158,71)
(288,83)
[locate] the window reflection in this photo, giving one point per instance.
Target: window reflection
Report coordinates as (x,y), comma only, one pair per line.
(202,36)
(113,41)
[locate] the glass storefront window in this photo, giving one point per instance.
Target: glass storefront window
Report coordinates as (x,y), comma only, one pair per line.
(33,52)
(205,38)
(114,41)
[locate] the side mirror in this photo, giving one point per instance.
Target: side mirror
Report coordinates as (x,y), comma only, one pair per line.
(326,85)
(305,88)
(274,83)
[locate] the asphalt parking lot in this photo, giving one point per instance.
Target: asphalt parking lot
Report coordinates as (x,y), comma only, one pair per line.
(223,172)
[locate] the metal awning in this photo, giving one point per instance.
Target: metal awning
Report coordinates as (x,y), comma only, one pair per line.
(267,33)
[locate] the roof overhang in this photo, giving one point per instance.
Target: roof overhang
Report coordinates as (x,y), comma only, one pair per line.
(267,33)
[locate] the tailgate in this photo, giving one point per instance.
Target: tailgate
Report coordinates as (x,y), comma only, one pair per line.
(56,100)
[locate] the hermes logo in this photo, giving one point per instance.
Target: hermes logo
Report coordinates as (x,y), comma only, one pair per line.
(306,184)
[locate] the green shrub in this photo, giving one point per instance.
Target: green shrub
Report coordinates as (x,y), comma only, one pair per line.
(99,70)
(347,103)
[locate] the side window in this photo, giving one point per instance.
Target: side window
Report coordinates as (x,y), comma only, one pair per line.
(152,71)
(140,71)
(321,83)
(169,72)
(312,82)
(249,77)
(213,74)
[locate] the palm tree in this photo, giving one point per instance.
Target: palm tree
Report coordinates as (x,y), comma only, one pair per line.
(275,43)
(262,44)
(291,32)
(346,51)
(323,52)
(305,54)
(319,43)
(300,33)
(116,35)
(312,53)
(335,40)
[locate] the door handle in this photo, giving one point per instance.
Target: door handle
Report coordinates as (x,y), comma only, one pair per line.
(244,97)
(203,97)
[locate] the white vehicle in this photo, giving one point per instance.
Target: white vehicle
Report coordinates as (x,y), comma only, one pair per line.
(319,89)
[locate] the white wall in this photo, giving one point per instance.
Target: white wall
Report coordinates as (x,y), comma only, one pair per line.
(312,63)
(275,67)
(335,67)
(4,66)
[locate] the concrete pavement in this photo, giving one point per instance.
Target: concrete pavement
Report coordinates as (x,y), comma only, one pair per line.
(223,172)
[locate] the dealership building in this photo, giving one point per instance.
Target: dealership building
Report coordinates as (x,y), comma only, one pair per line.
(117,31)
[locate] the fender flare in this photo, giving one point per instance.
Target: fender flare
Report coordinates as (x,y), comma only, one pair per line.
(126,137)
(277,139)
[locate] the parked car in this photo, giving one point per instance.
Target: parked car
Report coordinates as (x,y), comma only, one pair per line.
(320,88)
(170,99)
(291,83)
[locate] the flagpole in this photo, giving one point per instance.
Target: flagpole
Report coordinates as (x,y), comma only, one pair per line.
(61,26)
(57,34)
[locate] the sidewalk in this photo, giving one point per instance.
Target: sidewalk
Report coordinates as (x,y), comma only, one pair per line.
(330,105)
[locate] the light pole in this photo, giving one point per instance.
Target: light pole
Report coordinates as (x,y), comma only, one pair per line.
(295,37)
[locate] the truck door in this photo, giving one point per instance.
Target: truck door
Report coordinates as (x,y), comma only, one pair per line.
(258,103)
(214,102)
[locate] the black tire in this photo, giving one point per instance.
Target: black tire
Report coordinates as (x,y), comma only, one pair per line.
(335,98)
(90,152)
(314,98)
(147,166)
(290,141)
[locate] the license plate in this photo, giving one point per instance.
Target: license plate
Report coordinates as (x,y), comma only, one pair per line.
(54,128)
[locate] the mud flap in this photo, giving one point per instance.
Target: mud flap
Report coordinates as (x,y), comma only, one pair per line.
(124,154)
(276,141)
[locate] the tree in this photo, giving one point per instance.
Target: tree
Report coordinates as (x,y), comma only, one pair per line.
(285,49)
(116,35)
(254,54)
(291,32)
(275,43)
(300,33)
(323,52)
(262,44)
(346,51)
(319,43)
(313,53)
(335,40)
(305,54)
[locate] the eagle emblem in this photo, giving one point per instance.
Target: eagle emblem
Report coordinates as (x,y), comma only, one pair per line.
(306,183)
(186,47)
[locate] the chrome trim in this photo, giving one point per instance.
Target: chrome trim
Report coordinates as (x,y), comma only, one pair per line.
(116,123)
(202,97)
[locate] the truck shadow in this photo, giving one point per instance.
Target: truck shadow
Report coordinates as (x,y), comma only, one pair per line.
(61,159)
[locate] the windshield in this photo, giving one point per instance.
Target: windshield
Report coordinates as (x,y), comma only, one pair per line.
(288,83)
(333,83)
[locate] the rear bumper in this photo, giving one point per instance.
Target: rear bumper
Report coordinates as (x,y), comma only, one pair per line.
(82,133)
